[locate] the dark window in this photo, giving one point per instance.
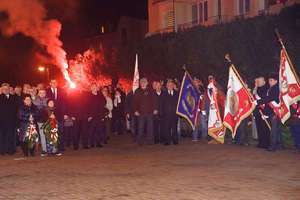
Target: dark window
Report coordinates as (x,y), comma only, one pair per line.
(241,6)
(219,10)
(247,5)
(194,14)
(205,11)
(201,12)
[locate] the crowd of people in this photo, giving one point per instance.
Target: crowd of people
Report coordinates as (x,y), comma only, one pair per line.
(49,119)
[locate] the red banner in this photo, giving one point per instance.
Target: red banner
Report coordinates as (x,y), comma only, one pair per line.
(216,128)
(239,102)
(288,85)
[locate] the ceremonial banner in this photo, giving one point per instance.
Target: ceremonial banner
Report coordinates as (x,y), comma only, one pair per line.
(136,76)
(216,128)
(239,102)
(289,86)
(189,98)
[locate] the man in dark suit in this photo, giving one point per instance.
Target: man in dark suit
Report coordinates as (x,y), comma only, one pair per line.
(157,121)
(8,119)
(271,99)
(263,132)
(95,116)
(168,112)
(58,95)
(74,110)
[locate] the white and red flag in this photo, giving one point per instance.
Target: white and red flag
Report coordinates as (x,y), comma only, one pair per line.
(239,101)
(136,75)
(289,86)
(216,128)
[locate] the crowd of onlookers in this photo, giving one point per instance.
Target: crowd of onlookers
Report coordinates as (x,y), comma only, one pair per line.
(48,119)
(91,116)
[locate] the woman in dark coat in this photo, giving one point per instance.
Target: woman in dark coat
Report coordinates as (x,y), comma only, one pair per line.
(28,115)
(118,112)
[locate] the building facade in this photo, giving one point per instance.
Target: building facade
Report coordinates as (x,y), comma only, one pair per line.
(172,15)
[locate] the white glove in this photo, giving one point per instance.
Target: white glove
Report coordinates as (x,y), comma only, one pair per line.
(203,112)
(255,102)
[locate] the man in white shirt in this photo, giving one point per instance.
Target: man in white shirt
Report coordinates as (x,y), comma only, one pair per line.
(58,95)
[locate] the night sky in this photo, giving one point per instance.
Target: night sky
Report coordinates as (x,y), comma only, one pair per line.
(93,13)
(80,20)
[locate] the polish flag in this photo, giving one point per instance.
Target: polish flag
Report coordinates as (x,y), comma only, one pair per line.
(136,76)
(239,101)
(289,86)
(216,128)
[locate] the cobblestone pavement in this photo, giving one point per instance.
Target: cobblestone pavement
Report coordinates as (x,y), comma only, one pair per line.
(124,171)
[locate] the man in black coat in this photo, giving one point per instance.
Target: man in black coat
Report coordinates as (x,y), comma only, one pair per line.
(270,102)
(95,116)
(58,95)
(74,110)
(8,119)
(157,121)
(168,112)
(263,132)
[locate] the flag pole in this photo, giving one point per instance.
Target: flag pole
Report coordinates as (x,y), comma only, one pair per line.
(227,57)
(287,56)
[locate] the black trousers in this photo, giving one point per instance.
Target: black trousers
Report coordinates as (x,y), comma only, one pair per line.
(7,140)
(243,139)
(27,150)
(96,133)
(170,130)
(119,125)
(157,130)
(263,132)
(145,122)
(71,135)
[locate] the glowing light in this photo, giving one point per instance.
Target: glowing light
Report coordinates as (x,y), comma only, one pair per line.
(72,85)
(41,68)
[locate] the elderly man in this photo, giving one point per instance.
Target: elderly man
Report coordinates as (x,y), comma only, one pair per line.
(145,106)
(168,112)
(8,118)
(157,121)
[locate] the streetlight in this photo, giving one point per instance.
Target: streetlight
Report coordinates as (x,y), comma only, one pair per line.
(43,69)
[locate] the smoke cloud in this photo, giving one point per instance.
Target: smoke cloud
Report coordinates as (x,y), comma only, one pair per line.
(29,18)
